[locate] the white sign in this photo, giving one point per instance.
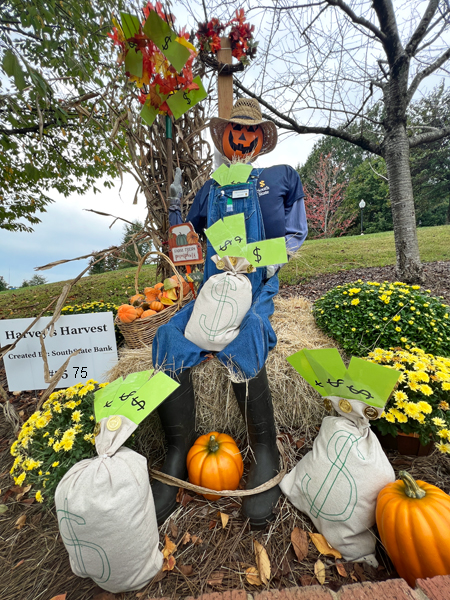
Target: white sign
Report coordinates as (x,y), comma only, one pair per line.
(92,333)
(362,204)
(185,253)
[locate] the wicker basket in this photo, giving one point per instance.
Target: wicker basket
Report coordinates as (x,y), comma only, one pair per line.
(140,333)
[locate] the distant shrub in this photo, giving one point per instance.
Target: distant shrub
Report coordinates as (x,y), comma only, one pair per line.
(363,315)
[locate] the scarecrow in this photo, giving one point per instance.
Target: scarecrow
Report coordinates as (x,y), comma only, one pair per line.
(273,207)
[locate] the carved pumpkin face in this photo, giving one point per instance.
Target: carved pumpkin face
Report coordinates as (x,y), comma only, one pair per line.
(241,140)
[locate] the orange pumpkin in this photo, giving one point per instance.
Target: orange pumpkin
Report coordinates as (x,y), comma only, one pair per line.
(156,306)
(137,298)
(413,519)
(127,313)
(242,140)
(139,310)
(214,461)
(158,286)
(192,237)
(151,294)
(148,313)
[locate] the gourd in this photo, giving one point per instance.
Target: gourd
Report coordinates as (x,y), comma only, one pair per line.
(186,287)
(127,313)
(148,313)
(214,461)
(413,520)
(181,239)
(137,299)
(156,306)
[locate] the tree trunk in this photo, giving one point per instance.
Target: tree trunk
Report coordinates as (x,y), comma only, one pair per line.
(396,155)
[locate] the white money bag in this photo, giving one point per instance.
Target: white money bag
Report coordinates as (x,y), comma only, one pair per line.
(106,514)
(337,483)
(222,303)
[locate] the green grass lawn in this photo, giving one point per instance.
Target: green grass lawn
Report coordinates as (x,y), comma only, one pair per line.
(316,257)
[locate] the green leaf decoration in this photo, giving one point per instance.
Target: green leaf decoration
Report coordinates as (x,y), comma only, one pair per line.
(130,25)
(162,35)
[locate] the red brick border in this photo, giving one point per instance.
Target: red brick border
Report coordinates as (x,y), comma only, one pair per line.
(437,588)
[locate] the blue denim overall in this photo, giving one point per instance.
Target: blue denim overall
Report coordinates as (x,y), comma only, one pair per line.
(246,355)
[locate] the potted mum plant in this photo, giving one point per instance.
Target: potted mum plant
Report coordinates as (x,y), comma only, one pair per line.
(419,407)
(54,438)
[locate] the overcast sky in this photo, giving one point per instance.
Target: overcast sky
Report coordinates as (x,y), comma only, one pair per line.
(68,231)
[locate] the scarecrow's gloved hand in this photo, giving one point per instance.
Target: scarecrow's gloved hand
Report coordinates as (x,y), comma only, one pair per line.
(176,191)
(272,269)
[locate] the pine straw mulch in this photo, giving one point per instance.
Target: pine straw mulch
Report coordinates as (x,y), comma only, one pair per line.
(34,564)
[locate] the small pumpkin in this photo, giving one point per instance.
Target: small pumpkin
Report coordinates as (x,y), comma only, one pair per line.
(413,520)
(148,313)
(151,295)
(192,237)
(137,299)
(214,461)
(158,286)
(139,310)
(181,239)
(156,306)
(127,313)
(242,140)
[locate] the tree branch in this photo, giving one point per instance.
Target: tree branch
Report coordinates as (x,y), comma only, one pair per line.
(359,20)
(391,38)
(290,124)
(430,136)
(427,71)
(422,28)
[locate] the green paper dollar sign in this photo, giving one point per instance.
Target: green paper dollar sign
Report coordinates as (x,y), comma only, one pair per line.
(219,293)
(339,447)
(88,549)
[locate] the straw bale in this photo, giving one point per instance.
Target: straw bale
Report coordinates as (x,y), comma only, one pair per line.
(296,404)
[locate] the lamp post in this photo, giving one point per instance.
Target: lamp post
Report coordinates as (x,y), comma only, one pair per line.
(362,204)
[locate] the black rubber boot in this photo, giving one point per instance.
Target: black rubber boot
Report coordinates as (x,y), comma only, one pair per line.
(257,409)
(177,414)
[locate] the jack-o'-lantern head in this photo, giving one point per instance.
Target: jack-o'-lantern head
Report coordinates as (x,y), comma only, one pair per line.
(242,140)
(244,135)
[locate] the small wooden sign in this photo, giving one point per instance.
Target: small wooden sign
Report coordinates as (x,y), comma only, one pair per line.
(184,247)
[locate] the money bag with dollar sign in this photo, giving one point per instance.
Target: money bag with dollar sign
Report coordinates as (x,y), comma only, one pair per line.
(105,508)
(337,483)
(221,305)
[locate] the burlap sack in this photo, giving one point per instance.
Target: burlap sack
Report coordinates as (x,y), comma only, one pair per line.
(221,305)
(106,514)
(337,483)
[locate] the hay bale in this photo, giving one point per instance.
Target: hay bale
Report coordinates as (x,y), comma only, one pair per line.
(296,404)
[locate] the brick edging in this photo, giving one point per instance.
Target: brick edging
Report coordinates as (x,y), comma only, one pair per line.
(437,588)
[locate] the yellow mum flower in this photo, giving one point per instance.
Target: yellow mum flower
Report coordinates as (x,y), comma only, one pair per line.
(355,301)
(389,417)
(39,497)
(425,407)
(399,395)
(14,450)
(19,480)
(396,318)
(444,405)
(76,416)
(443,433)
(446,386)
(412,410)
(70,404)
(56,463)
(444,448)
(426,390)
